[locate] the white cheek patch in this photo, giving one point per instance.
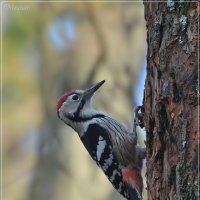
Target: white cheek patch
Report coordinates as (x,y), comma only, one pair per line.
(108,162)
(100,148)
(61,114)
(68,107)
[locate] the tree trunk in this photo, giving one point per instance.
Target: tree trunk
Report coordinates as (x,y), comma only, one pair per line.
(171,102)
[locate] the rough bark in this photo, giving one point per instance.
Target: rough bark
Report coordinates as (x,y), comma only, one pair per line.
(171,101)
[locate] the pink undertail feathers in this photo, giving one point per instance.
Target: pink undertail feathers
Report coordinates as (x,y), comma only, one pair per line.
(132,177)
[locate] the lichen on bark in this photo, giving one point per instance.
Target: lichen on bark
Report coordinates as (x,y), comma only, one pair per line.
(171,100)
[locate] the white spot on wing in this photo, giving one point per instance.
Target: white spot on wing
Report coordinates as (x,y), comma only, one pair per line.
(100,138)
(100,148)
(120,187)
(112,178)
(108,162)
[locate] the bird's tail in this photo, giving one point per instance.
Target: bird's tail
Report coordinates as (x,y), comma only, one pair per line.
(134,183)
(133,194)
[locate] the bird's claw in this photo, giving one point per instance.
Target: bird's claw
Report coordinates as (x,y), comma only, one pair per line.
(139,114)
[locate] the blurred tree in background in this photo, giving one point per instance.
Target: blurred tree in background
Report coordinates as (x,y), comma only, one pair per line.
(49,48)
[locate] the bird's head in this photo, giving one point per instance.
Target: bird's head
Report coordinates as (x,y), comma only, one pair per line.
(76,103)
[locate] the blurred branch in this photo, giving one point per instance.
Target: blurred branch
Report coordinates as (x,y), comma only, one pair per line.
(48,164)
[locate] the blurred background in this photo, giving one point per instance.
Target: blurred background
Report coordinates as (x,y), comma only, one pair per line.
(47,49)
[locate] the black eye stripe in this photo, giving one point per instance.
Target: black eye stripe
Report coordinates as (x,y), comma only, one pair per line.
(80,107)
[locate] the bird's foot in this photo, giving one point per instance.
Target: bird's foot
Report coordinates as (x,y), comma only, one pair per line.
(139,114)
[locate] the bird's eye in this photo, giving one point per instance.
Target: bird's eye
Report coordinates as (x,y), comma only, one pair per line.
(75,97)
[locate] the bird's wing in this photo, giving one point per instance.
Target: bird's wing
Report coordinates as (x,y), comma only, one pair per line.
(99,146)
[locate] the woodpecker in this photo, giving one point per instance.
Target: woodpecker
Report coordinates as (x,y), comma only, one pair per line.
(110,144)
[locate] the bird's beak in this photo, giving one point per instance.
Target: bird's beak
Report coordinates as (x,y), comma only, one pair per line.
(88,93)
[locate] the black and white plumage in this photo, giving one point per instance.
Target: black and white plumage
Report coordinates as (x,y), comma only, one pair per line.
(110,144)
